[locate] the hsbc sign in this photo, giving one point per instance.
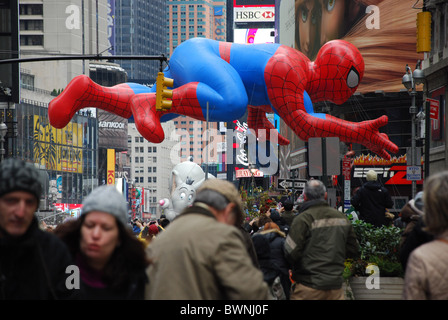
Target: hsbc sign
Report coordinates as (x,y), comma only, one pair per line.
(254,15)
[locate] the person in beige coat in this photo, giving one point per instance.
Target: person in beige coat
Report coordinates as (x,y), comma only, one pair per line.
(201,255)
(425,277)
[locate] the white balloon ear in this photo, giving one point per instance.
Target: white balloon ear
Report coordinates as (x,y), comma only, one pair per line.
(352,78)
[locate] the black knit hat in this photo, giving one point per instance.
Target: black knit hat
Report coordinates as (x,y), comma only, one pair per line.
(18,175)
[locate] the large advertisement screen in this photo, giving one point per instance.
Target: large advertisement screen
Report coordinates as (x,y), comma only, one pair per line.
(254,35)
(384,31)
(58,149)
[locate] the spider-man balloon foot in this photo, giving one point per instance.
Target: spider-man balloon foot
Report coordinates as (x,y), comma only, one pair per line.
(82,92)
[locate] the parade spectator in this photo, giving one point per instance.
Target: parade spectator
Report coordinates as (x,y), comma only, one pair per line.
(271,272)
(372,201)
(425,277)
(414,233)
(137,226)
(202,255)
(33,262)
(279,220)
(276,241)
(319,241)
(288,213)
(111,259)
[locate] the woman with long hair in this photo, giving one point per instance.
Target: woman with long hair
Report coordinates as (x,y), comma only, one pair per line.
(111,260)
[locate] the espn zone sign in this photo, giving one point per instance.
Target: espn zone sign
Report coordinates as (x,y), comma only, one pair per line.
(395,174)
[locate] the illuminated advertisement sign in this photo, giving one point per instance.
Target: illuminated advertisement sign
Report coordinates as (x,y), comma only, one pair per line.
(390,172)
(219,23)
(58,149)
(254,35)
(254,15)
(111,166)
(253,3)
(384,31)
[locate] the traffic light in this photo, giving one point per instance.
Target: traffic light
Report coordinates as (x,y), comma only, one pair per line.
(424,31)
(163,94)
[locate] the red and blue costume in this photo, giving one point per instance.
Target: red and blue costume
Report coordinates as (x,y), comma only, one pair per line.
(231,78)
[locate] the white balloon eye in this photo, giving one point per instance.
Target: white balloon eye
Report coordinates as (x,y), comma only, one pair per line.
(190,197)
(353,78)
(182,195)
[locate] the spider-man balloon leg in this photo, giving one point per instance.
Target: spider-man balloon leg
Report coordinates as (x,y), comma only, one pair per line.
(82,92)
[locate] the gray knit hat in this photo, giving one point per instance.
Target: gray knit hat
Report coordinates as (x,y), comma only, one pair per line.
(18,175)
(107,199)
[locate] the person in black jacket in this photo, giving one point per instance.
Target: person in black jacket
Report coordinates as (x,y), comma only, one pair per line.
(33,262)
(371,201)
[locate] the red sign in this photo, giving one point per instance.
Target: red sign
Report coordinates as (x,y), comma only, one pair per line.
(433,109)
(246,173)
(346,169)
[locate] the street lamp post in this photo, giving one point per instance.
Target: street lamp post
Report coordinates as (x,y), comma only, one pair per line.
(410,80)
(3,131)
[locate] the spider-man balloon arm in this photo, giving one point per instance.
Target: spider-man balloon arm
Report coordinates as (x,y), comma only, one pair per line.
(365,133)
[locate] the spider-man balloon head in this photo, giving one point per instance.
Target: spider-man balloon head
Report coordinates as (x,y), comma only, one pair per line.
(338,70)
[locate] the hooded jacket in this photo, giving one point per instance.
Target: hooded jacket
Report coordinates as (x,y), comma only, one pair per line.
(371,202)
(33,266)
(319,241)
(199,258)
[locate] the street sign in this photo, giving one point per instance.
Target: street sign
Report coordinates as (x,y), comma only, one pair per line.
(288,183)
(413,173)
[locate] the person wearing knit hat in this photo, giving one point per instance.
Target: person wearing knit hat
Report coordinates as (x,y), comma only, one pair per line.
(372,201)
(32,261)
(111,259)
(202,255)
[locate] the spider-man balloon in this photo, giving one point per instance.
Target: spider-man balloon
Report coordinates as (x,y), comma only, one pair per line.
(232,77)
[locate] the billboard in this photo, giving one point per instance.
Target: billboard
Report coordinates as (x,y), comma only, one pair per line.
(254,35)
(384,31)
(253,3)
(57,149)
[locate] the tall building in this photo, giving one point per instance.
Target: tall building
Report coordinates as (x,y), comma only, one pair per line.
(150,168)
(60,27)
(190,19)
(68,157)
(435,67)
(186,20)
(140,29)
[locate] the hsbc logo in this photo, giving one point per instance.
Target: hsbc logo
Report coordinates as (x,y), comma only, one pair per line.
(268,14)
(254,14)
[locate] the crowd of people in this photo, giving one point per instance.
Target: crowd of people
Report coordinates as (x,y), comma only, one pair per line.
(210,251)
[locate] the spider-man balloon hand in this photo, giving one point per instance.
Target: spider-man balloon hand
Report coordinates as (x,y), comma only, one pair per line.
(229,78)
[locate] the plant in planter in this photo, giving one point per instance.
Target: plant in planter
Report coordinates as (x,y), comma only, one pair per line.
(379,248)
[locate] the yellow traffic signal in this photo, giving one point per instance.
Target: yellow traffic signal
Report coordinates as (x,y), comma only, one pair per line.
(424,31)
(163,94)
